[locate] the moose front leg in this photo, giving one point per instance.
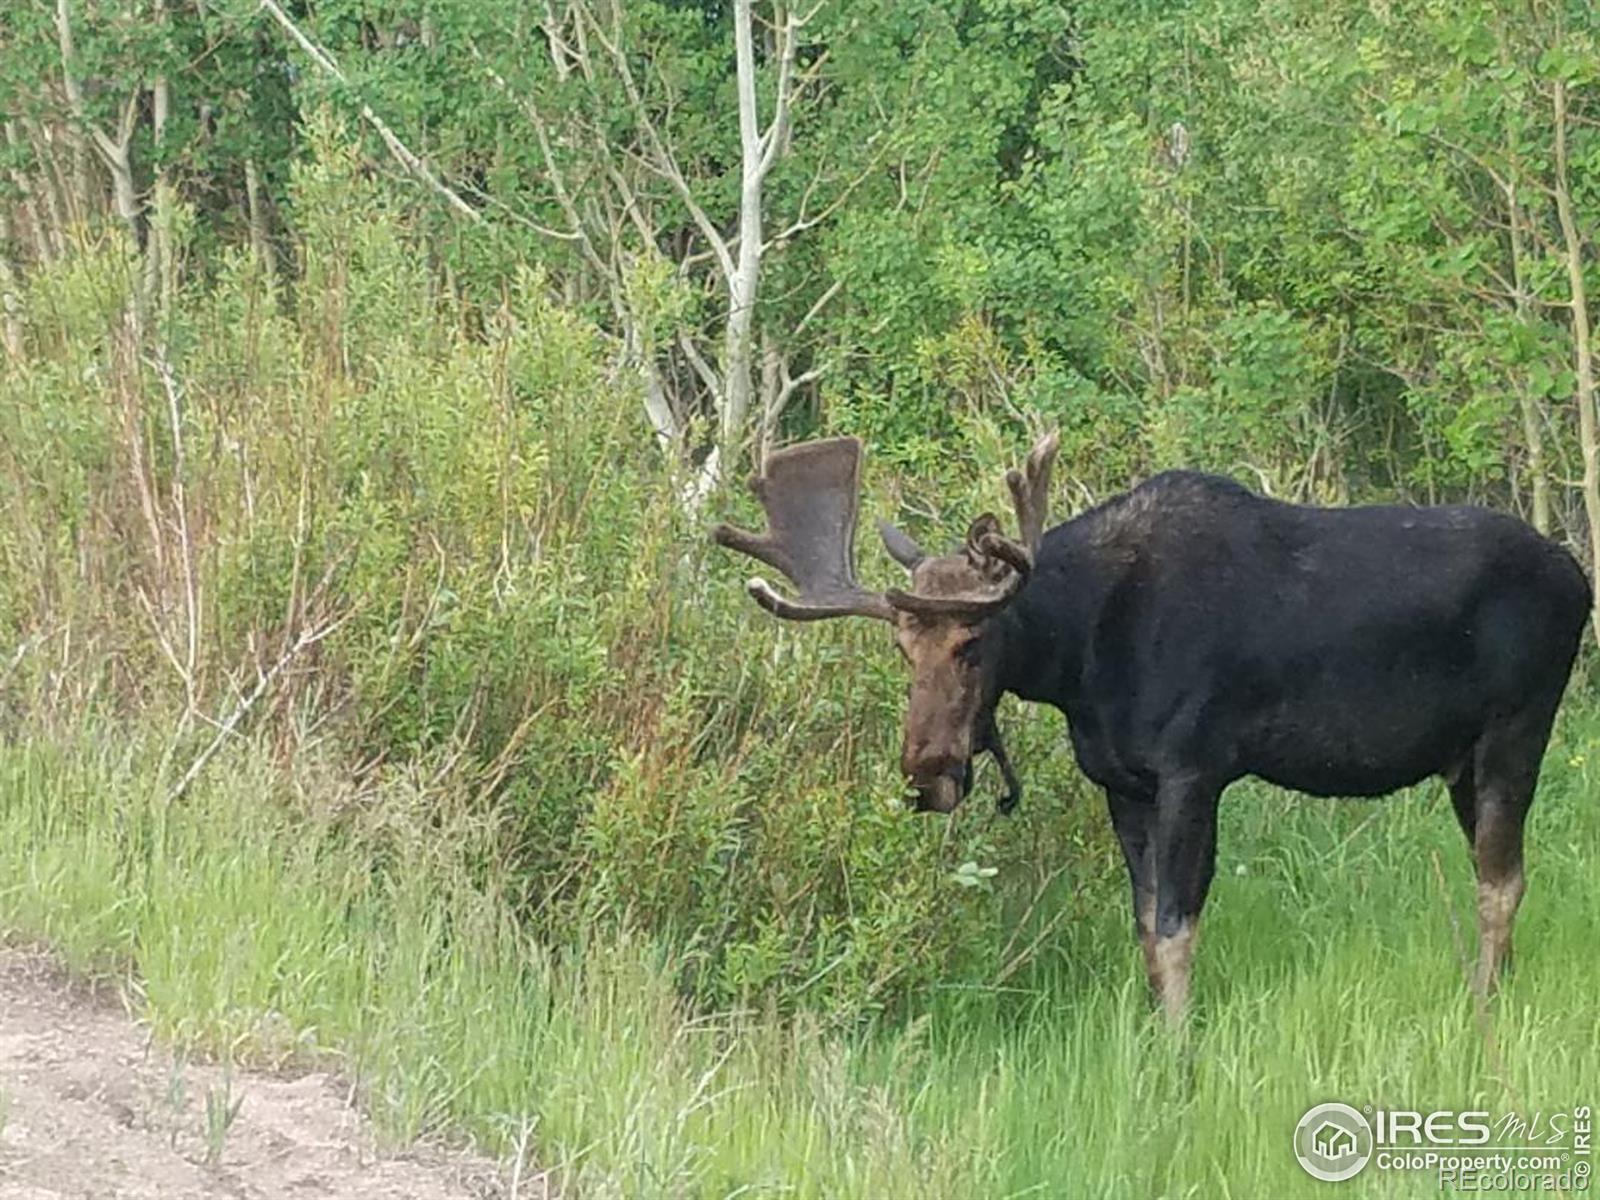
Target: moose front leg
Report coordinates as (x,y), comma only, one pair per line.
(1183,853)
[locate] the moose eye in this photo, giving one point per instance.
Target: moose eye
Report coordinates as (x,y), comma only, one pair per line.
(970,650)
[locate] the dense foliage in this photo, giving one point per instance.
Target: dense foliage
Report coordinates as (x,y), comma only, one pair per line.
(369,375)
(1320,245)
(450,565)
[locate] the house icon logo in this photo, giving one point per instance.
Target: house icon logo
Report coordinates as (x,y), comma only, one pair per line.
(1333,1141)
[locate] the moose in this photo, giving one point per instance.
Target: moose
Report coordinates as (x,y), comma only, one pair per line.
(1194,632)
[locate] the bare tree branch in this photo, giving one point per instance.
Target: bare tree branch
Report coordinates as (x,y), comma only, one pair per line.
(307,638)
(702,368)
(402,155)
(663,160)
(113,151)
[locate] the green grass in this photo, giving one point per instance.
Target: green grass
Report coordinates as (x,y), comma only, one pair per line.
(260,921)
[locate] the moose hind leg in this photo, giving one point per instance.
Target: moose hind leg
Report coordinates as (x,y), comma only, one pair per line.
(1501,885)
(1463,785)
(1132,819)
(1184,854)
(1506,765)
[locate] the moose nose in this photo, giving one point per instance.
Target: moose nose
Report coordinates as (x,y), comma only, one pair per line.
(941,793)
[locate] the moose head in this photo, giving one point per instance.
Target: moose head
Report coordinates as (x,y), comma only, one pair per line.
(944,623)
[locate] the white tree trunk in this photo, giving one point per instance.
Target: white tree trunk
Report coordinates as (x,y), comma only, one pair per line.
(1582,347)
(738,352)
(1532,433)
(657,408)
(10,300)
(257,216)
(157,248)
(112,151)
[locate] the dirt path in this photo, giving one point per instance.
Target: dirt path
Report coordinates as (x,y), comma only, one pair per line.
(91,1111)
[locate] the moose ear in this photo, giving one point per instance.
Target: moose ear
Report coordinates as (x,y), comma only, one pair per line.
(900,546)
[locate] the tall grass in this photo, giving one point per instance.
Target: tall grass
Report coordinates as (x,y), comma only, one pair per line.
(257,927)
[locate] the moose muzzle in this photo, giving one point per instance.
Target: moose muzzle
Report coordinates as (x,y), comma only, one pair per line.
(941,792)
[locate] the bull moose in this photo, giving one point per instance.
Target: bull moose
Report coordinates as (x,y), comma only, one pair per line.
(1194,632)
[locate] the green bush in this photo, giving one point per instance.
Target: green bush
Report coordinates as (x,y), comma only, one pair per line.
(461,562)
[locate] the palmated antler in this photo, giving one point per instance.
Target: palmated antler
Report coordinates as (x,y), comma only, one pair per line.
(810,493)
(1030,489)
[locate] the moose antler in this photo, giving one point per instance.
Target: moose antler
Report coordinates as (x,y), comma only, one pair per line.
(988,549)
(810,493)
(986,541)
(1005,564)
(1030,489)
